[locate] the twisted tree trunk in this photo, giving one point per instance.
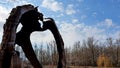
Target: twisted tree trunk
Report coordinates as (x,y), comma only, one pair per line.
(50,24)
(9,35)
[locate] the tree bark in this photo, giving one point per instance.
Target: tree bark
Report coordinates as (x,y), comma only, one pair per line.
(9,34)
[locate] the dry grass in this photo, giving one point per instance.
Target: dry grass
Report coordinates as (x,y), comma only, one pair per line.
(51,66)
(81,67)
(104,62)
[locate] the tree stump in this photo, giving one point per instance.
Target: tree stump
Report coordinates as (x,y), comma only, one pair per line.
(9,35)
(16,61)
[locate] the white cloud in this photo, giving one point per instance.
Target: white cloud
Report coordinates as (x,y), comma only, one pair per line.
(108,22)
(69,32)
(70,9)
(75,20)
(3,2)
(58,6)
(38,37)
(15,3)
(21,2)
(72,32)
(1,34)
(117,34)
(52,5)
(60,15)
(83,17)
(4,12)
(90,31)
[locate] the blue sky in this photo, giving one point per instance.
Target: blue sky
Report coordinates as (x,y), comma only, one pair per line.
(76,19)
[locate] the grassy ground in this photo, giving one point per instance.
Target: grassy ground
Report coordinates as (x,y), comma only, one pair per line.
(50,66)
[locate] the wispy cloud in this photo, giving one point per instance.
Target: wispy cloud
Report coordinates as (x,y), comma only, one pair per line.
(52,5)
(78,32)
(58,7)
(41,37)
(82,17)
(72,31)
(75,20)
(17,2)
(70,9)
(4,13)
(106,23)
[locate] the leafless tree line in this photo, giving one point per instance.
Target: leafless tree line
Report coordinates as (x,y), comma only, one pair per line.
(83,53)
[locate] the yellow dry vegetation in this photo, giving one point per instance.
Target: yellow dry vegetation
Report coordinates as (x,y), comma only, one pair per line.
(104,62)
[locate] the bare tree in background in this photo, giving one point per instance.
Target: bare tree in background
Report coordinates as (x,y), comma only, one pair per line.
(91,43)
(117,43)
(81,53)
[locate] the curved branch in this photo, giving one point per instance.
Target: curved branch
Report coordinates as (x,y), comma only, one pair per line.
(50,24)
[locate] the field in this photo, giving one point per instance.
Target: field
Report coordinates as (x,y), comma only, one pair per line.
(79,67)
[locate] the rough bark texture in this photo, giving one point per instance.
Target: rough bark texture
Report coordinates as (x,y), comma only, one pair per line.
(9,37)
(50,24)
(9,34)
